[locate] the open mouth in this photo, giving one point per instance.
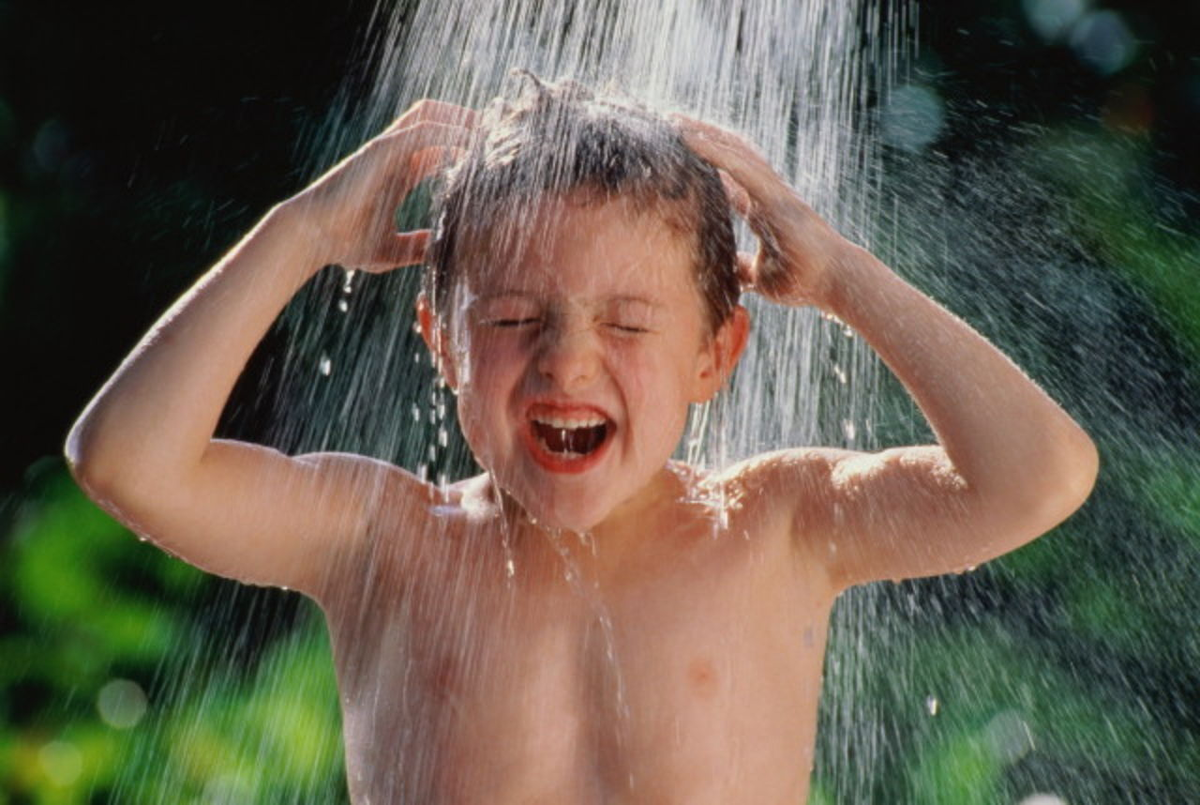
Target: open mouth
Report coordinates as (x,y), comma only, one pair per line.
(566,440)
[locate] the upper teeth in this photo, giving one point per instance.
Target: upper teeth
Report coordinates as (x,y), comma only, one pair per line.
(570,422)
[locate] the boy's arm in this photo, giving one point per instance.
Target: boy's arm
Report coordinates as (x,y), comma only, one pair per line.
(144,446)
(1009,465)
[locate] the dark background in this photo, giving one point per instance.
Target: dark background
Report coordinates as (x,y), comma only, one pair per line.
(139,140)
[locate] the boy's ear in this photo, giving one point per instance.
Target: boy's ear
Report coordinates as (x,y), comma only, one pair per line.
(435,338)
(721,354)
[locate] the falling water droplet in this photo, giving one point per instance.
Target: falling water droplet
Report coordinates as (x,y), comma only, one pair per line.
(849,429)
(343,305)
(840,373)
(416,413)
(348,285)
(326,366)
(931,705)
(443,437)
(510,568)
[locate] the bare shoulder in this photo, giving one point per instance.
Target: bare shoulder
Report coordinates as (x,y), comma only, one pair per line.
(789,491)
(386,506)
(411,528)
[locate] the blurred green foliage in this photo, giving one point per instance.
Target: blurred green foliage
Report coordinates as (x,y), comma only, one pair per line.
(86,604)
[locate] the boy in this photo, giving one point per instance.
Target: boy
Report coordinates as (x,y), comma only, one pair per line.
(586,621)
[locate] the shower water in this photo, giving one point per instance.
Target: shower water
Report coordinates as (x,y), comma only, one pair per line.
(799,79)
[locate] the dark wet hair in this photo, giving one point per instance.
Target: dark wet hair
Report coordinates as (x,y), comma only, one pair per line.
(560,138)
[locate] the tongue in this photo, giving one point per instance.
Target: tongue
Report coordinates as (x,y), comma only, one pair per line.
(574,440)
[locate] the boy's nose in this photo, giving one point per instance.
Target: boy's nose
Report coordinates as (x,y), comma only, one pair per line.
(568,357)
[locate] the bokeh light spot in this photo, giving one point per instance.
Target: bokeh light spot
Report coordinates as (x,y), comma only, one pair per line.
(913,117)
(61,762)
(121,703)
(1052,19)
(1009,736)
(1103,41)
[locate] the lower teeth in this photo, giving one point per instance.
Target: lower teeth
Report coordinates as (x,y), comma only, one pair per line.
(568,454)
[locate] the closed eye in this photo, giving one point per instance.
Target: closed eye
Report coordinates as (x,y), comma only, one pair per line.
(627,328)
(512,322)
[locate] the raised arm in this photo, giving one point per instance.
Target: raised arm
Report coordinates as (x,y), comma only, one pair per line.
(144,447)
(1009,465)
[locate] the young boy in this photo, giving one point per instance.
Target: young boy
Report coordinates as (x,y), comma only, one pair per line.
(586,621)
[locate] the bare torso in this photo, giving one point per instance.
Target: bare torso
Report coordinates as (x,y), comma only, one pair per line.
(480,666)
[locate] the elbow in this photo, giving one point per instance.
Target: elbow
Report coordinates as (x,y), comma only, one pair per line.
(79,455)
(1078,472)
(91,463)
(1067,482)
(89,472)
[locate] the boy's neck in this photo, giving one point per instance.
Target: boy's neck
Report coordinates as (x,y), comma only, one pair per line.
(632,520)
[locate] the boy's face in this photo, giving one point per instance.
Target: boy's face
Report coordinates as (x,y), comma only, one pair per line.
(575,344)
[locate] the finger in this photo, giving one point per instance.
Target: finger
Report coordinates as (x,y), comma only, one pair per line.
(745,270)
(731,153)
(412,154)
(433,160)
(739,199)
(428,134)
(429,110)
(398,249)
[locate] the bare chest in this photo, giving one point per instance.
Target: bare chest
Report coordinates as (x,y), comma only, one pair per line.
(489,676)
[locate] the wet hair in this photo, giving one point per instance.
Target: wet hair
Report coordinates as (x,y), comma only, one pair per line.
(561,138)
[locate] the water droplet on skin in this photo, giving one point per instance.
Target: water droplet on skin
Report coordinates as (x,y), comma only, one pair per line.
(326,366)
(931,705)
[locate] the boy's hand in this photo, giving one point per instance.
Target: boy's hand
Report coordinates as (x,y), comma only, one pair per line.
(351,206)
(797,248)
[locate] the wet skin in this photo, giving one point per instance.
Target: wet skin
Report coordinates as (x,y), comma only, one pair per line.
(482,658)
(669,654)
(685,669)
